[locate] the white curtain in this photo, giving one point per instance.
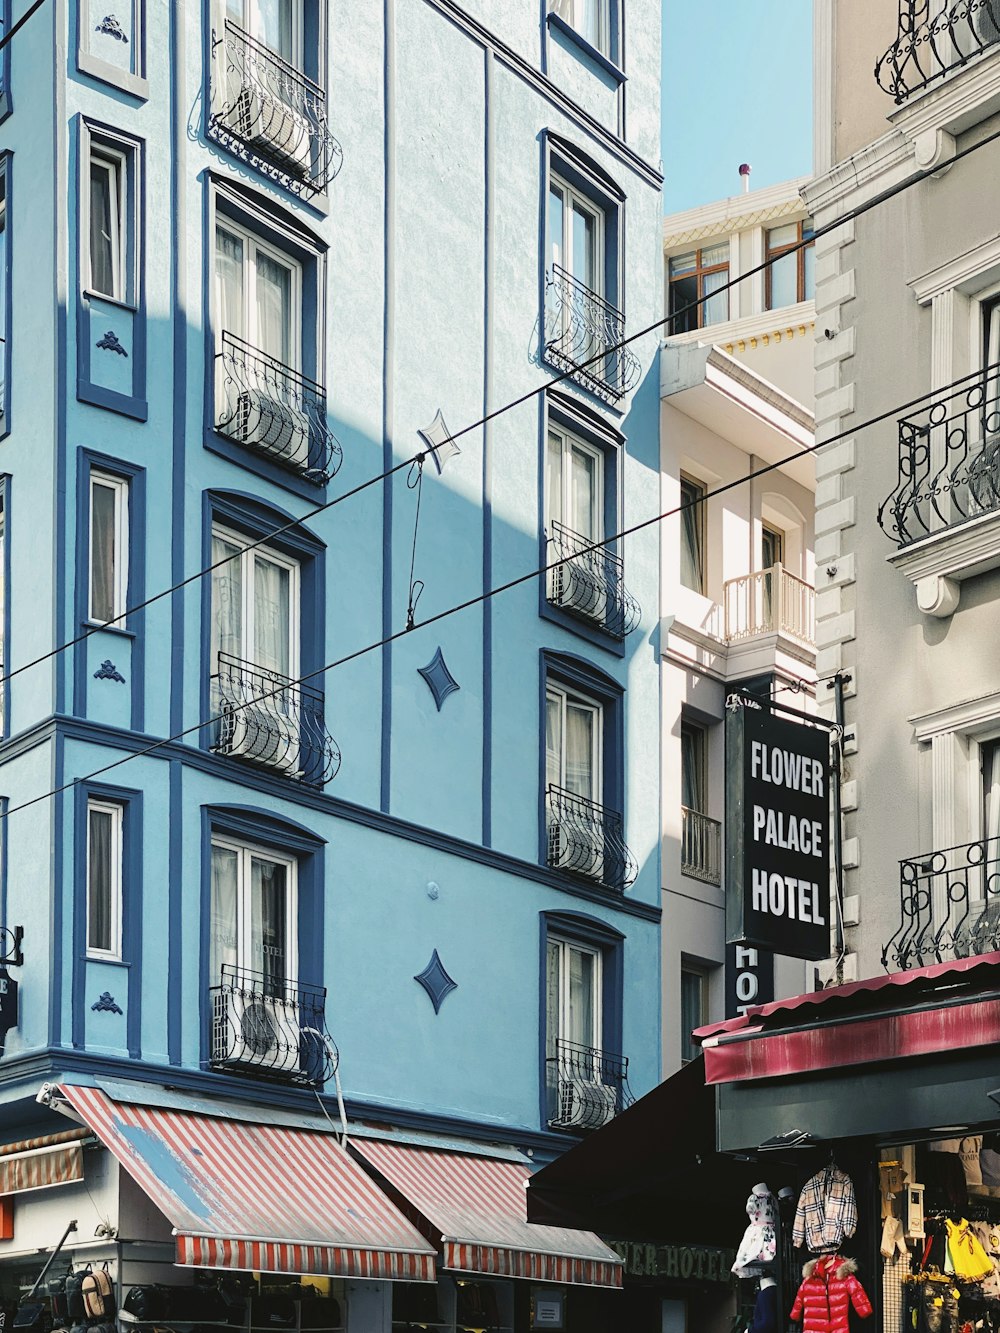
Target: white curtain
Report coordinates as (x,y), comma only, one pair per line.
(552,966)
(580,1015)
(553,480)
(99,881)
(580,777)
(229,282)
(271,615)
(274,295)
(991,797)
(274,18)
(555,225)
(553,741)
(269,920)
(224,937)
(102,255)
(583,494)
(102,552)
(585,248)
(692,570)
(227,601)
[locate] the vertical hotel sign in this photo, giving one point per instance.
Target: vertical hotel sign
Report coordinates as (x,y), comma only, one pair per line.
(777,832)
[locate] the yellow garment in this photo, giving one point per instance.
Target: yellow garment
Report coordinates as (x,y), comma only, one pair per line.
(970,1260)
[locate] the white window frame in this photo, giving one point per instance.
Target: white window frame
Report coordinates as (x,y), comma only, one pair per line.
(116,162)
(572,196)
(555,690)
(120,487)
(688,969)
(250,24)
(248,553)
(568,441)
(117,813)
(252,243)
(565,944)
(572,12)
(246,852)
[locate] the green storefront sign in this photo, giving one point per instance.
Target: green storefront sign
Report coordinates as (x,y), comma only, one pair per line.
(685,1263)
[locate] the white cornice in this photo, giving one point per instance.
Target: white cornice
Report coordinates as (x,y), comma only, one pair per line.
(737,213)
(787,322)
(973,268)
(854,180)
(968,716)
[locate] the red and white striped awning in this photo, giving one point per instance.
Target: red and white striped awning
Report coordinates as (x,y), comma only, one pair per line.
(257,1197)
(477,1205)
(37,1164)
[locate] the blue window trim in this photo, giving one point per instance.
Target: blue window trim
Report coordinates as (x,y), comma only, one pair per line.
(263,828)
(573,415)
(134,404)
(577,673)
(612,65)
(289,234)
(7,281)
(131,802)
(598,934)
(134,476)
(256,519)
(6,100)
(134,82)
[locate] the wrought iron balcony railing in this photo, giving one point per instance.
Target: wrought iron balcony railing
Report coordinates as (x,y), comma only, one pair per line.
(701,846)
(587,839)
(266,406)
(586,1087)
(769,601)
(581,326)
(268,111)
(949,906)
(589,583)
(935,37)
(270,1028)
(949,461)
(267,719)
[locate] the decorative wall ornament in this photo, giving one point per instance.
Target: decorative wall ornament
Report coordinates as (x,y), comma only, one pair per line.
(111,27)
(106,1005)
(108,671)
(110,343)
(438,439)
(439,679)
(436,981)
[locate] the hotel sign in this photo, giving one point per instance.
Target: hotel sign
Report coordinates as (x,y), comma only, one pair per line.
(777,832)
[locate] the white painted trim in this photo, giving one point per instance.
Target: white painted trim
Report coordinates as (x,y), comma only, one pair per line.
(763,323)
(824,57)
(938,564)
(970,272)
(738,212)
(971,716)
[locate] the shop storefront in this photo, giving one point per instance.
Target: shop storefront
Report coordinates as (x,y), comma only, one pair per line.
(192,1215)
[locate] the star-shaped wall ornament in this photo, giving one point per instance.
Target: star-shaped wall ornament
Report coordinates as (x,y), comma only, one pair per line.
(436,982)
(438,439)
(439,679)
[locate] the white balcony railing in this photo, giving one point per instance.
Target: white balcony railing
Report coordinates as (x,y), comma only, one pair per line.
(770,601)
(701,846)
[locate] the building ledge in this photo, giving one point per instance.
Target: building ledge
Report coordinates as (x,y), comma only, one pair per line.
(931,120)
(937,565)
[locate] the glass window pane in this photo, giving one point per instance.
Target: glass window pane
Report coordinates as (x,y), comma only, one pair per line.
(580,998)
(692,768)
(715,254)
(269,920)
(716,309)
(809,289)
(555,225)
(103,555)
(683,264)
(585,247)
(553,955)
(784,281)
(692,1011)
(991,795)
(229,282)
(227,600)
(692,566)
(274,27)
(103,229)
(100,883)
(274,308)
(584,516)
(684,311)
(224,925)
(779,236)
(581,737)
(271,616)
(553,479)
(553,740)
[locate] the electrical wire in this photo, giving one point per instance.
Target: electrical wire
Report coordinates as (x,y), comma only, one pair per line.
(551,380)
(15,27)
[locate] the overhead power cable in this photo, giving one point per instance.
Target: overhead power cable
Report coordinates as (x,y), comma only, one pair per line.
(470,602)
(551,380)
(16,27)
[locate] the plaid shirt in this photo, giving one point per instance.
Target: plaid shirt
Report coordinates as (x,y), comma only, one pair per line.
(827,1211)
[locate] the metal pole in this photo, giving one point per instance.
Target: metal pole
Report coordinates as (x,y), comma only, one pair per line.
(837,683)
(48,1264)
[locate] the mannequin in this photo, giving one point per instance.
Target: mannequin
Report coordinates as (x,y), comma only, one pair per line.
(765,1311)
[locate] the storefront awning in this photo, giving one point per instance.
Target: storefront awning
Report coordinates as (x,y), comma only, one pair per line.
(257,1197)
(39,1163)
(476,1206)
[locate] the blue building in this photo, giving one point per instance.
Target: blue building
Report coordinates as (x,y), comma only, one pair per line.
(261,259)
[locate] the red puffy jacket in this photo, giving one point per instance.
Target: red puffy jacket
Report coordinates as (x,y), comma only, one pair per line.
(828,1289)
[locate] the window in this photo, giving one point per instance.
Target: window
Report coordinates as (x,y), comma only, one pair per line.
(574,484)
(576,235)
(573,741)
(3,295)
(253,915)
(694,1013)
(276,24)
(693,767)
(104,878)
(572,994)
(590,18)
(258,295)
(694,276)
(692,534)
(108,223)
(108,547)
(255,605)
(990,760)
(791,273)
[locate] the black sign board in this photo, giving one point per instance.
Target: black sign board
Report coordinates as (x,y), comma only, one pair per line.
(777,832)
(749,978)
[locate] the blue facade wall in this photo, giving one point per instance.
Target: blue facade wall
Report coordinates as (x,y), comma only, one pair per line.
(432,251)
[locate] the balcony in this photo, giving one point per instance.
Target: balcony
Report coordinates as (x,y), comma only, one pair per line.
(701,846)
(586,839)
(582,333)
(589,583)
(769,601)
(935,37)
(266,719)
(949,906)
(269,408)
(586,1087)
(267,111)
(270,1028)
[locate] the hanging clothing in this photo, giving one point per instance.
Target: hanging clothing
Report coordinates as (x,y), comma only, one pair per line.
(829,1289)
(893,1240)
(970,1261)
(757,1248)
(989,1238)
(765,1311)
(827,1212)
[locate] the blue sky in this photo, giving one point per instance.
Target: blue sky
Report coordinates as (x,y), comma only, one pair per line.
(737,87)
